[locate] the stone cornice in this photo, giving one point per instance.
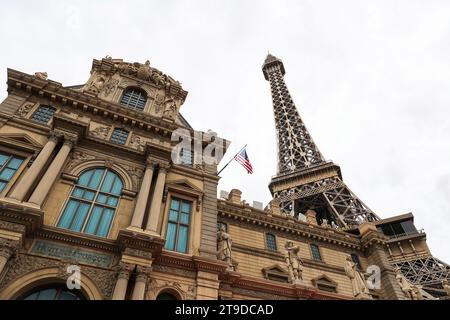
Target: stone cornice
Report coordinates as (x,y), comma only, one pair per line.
(235,280)
(254,217)
(278,256)
(16,212)
(73,238)
(88,104)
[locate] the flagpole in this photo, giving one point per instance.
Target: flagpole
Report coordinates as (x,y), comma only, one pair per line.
(231,160)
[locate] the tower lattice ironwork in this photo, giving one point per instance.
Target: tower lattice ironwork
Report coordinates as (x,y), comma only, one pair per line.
(305,180)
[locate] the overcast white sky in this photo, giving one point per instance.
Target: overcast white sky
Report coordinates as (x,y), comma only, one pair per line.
(370,79)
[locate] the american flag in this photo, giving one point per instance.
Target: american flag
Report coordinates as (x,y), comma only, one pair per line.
(242,158)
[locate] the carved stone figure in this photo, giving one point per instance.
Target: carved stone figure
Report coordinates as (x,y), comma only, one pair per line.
(159,101)
(358,280)
(100,132)
(406,287)
(325,223)
(97,83)
(224,246)
(23,110)
(446,287)
(110,87)
(171,109)
(137,143)
(293,261)
(144,71)
(41,75)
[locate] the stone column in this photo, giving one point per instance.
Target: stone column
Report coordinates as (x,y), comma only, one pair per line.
(155,207)
(142,199)
(30,176)
(122,282)
(140,284)
(51,174)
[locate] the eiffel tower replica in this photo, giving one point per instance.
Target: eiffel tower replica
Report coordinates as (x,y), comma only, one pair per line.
(306,181)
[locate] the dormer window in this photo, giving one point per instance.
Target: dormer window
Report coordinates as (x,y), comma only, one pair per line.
(134,98)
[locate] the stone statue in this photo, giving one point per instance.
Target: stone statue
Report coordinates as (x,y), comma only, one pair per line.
(97,83)
(171,109)
(446,287)
(406,287)
(224,247)
(144,71)
(110,87)
(137,143)
(293,261)
(325,223)
(358,280)
(41,75)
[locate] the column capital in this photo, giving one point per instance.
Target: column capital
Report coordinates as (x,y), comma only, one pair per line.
(151,162)
(142,273)
(8,248)
(163,166)
(125,270)
(54,136)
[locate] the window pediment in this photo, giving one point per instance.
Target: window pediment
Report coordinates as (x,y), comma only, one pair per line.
(276,273)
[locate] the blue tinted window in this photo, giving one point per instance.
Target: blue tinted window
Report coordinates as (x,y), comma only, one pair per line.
(43,114)
(119,136)
(134,99)
(177,234)
(315,252)
(93,202)
(271,242)
(8,168)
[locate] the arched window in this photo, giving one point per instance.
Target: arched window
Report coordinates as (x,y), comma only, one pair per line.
(93,202)
(166,296)
(43,114)
(134,99)
(53,292)
(119,136)
(271,242)
(315,252)
(8,167)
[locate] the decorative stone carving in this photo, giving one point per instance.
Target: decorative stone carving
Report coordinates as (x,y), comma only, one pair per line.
(41,75)
(23,110)
(137,143)
(77,158)
(170,109)
(325,223)
(136,174)
(159,103)
(110,87)
(358,280)
(293,262)
(144,71)
(224,247)
(96,84)
(100,132)
(71,253)
(446,287)
(187,292)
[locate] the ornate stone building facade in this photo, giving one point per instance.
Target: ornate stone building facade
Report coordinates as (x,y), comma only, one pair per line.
(90,195)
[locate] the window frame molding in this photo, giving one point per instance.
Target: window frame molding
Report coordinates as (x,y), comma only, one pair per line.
(110,134)
(192,222)
(129,86)
(320,252)
(69,196)
(36,107)
(266,243)
(19,172)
